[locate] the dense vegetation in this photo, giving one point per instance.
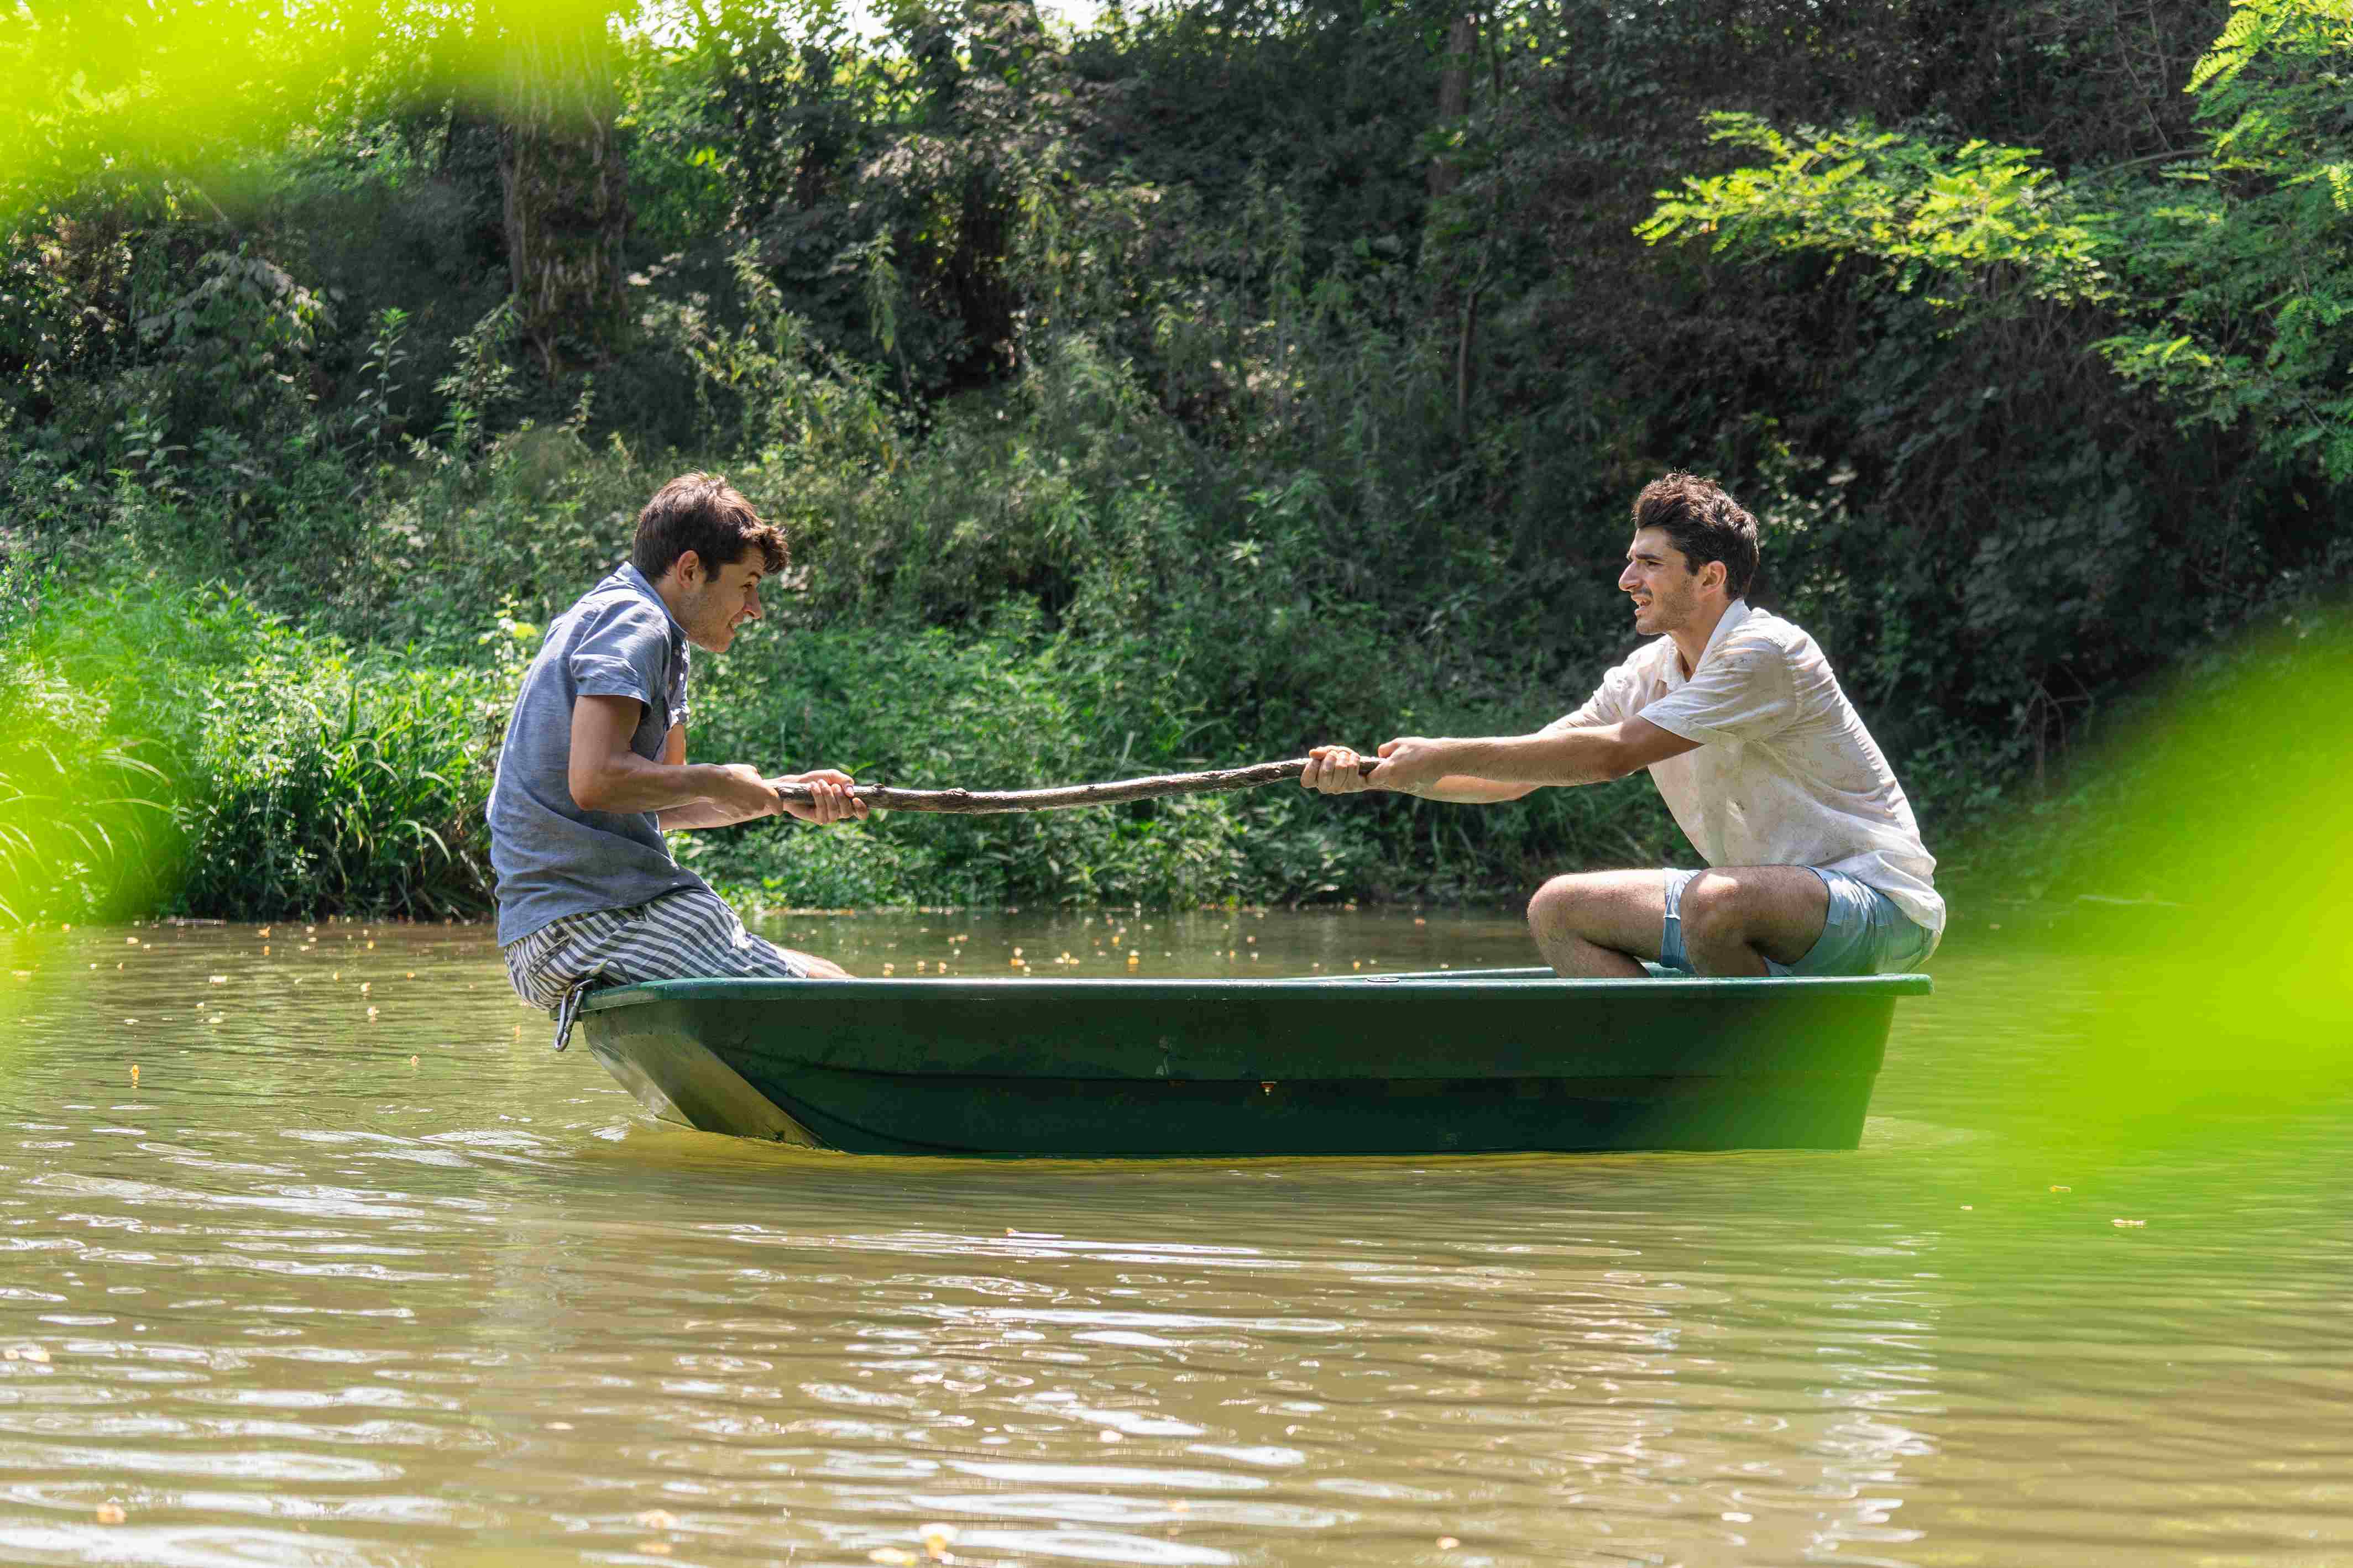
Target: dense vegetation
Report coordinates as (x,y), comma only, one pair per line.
(1217,379)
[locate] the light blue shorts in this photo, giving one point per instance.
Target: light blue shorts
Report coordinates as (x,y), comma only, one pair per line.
(1863,933)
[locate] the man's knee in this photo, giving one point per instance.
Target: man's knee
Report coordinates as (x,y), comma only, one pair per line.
(1715,908)
(1776,910)
(1556,905)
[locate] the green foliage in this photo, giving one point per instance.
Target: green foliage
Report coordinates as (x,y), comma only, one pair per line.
(1002,709)
(1148,398)
(798,401)
(138,96)
(2242,272)
(677,194)
(239,331)
(1970,215)
(305,780)
(482,383)
(2200,974)
(85,830)
(2232,272)
(330,790)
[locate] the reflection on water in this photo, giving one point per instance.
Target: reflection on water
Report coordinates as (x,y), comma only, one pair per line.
(327,1287)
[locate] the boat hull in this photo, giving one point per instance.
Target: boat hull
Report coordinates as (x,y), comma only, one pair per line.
(1403,1064)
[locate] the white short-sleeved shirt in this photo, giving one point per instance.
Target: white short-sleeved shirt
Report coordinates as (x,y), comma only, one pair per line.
(1784,774)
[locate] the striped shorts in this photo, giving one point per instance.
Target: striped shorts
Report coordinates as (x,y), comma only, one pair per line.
(689,934)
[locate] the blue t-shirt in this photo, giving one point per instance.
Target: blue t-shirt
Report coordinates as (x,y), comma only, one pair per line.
(553,859)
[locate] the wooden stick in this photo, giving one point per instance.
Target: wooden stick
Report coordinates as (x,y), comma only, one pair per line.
(967,802)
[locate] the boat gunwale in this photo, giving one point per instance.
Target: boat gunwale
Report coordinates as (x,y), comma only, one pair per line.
(1097,988)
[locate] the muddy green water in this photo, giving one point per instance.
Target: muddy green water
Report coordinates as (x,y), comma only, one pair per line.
(324,1286)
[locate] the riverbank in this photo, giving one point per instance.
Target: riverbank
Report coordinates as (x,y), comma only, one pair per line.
(177,748)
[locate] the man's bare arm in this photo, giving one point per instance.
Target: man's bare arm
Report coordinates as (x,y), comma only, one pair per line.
(701,813)
(605,774)
(1466,789)
(1331,770)
(830,786)
(832,802)
(1507,767)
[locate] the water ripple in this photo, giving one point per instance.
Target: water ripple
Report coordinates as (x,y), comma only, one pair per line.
(292,1300)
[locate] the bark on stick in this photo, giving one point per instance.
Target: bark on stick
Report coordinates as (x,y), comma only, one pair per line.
(968,801)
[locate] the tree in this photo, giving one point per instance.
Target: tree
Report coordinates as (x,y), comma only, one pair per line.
(566,185)
(2229,268)
(1454,96)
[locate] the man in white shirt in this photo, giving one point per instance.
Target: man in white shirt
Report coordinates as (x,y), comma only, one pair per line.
(1815,863)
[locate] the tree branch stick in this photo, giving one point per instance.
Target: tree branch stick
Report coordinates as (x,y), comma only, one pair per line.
(965,802)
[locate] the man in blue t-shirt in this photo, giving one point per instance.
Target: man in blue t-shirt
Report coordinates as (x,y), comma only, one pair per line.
(594,768)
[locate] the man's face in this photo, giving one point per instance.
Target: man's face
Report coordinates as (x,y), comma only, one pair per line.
(719,601)
(1666,592)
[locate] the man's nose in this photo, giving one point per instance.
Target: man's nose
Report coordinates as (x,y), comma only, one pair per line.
(1628,581)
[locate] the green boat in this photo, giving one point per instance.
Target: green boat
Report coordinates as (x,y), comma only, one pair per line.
(1480,1061)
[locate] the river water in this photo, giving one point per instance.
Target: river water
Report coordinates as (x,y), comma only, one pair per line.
(312,1253)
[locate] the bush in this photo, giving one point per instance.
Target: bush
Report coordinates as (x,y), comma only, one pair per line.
(300,779)
(85,830)
(340,790)
(1010,708)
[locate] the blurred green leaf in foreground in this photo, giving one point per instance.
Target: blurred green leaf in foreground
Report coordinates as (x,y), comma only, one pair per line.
(2232,835)
(86,826)
(161,89)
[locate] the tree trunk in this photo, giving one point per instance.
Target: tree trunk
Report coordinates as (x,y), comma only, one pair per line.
(1454,94)
(567,209)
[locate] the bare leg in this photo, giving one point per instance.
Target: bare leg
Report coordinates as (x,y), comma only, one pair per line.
(1736,916)
(1600,925)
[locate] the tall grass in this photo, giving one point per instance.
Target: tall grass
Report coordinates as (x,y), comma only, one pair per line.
(86,831)
(341,790)
(291,776)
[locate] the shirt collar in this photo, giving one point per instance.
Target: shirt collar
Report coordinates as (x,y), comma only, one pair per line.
(1734,614)
(629,577)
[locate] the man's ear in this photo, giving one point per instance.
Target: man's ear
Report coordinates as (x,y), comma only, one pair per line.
(1715,574)
(688,567)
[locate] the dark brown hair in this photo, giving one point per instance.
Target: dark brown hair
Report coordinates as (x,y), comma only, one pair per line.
(704,513)
(1704,523)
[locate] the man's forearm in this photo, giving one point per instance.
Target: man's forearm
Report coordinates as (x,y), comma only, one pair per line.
(1464,789)
(630,783)
(1518,762)
(700,814)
